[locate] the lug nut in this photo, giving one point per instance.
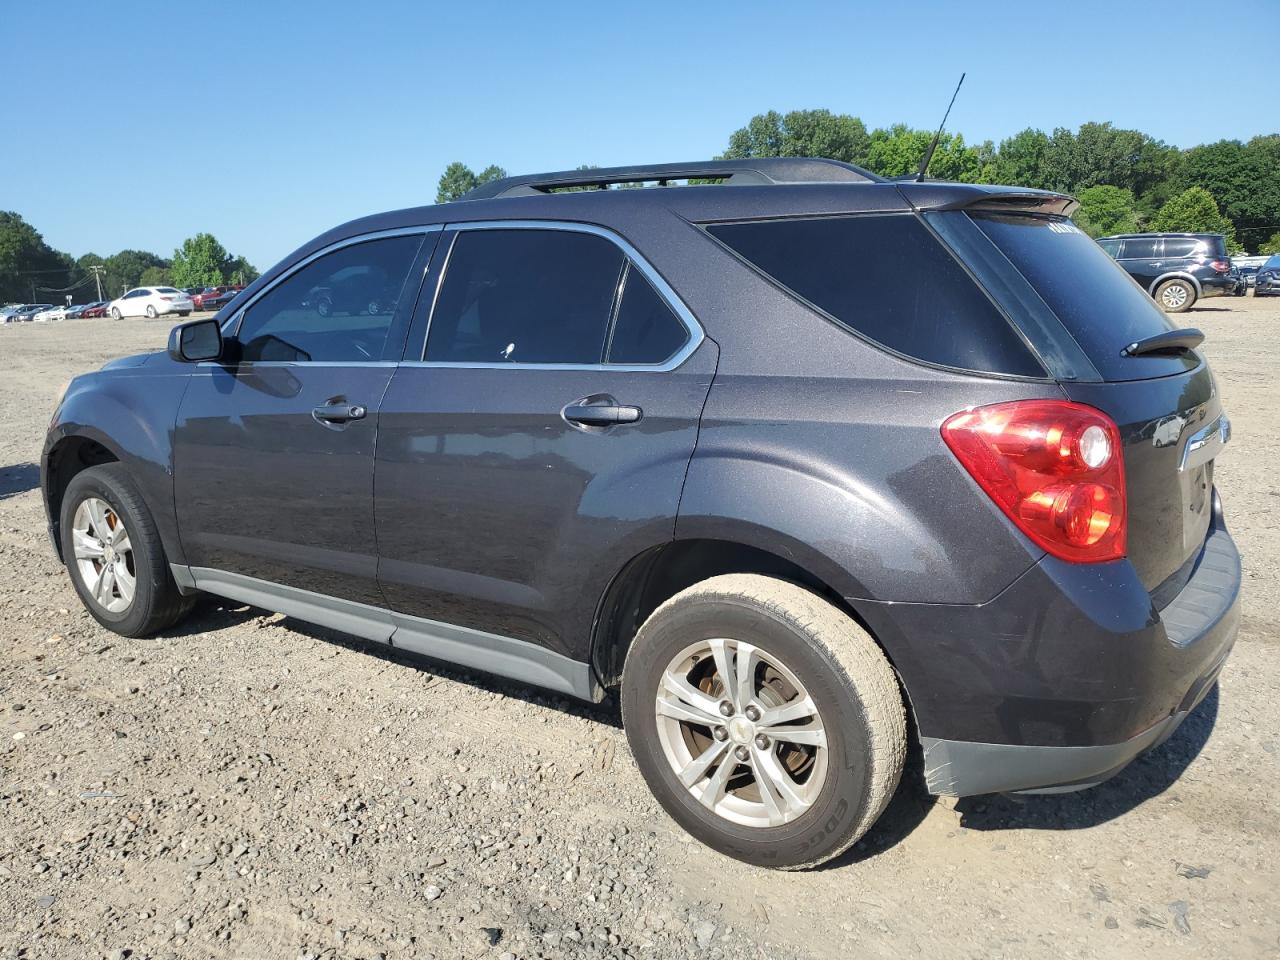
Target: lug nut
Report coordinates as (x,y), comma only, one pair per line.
(720,733)
(762,742)
(753,713)
(742,754)
(726,708)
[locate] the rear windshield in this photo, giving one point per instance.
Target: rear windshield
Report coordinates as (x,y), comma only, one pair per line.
(1094,298)
(888,279)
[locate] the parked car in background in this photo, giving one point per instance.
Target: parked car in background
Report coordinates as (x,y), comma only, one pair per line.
(216,301)
(1267,283)
(30,310)
(1177,269)
(208,293)
(1248,266)
(96,309)
(76,311)
(57,312)
(151,302)
(8,310)
(641,442)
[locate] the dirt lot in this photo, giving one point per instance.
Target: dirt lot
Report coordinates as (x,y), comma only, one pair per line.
(250,786)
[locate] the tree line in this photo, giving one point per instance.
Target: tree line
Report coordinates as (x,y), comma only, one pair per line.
(31,271)
(1126,181)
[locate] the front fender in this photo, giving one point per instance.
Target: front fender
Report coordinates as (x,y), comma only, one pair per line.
(130,413)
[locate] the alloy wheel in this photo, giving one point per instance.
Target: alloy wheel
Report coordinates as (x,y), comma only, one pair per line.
(1174,296)
(104,555)
(741,733)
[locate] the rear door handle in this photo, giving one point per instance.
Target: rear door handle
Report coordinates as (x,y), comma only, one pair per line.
(339,412)
(601,414)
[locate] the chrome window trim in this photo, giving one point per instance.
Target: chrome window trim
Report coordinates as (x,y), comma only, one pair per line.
(664,289)
(232,325)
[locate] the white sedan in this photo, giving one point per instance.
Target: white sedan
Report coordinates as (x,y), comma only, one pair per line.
(150,302)
(53,313)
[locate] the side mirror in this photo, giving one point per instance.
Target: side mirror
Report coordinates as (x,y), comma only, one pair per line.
(195,341)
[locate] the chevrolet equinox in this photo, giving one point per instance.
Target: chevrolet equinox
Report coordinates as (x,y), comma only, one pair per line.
(808,468)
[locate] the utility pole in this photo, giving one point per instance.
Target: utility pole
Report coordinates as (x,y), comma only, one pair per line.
(98,269)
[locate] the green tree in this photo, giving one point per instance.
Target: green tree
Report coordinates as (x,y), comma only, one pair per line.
(801,133)
(1101,154)
(1243,177)
(154,277)
(201,261)
(1105,210)
(1195,211)
(1271,245)
(1019,161)
(26,260)
(242,272)
(458,179)
(897,151)
(125,270)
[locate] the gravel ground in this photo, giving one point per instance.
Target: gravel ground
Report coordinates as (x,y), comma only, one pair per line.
(251,786)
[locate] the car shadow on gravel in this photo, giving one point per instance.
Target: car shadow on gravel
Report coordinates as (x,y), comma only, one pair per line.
(1145,778)
(18,478)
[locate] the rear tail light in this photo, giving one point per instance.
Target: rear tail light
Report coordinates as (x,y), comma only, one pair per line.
(1055,468)
(1222,266)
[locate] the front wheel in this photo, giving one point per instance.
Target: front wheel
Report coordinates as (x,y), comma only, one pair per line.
(115,313)
(1175,296)
(766,722)
(112,551)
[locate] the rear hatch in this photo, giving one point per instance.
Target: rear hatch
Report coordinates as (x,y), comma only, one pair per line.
(1165,402)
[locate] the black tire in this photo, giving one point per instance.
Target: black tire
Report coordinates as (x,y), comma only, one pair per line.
(838,664)
(115,313)
(151,312)
(157,604)
(1167,295)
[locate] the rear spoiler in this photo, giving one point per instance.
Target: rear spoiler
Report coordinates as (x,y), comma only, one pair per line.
(937,195)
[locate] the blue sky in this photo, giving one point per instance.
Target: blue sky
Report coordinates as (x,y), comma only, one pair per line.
(131,124)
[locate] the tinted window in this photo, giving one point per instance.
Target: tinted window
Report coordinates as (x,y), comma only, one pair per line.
(1112,247)
(337,308)
(1175,247)
(166,290)
(1139,248)
(525,296)
(646,331)
(1272,264)
(1094,298)
(888,279)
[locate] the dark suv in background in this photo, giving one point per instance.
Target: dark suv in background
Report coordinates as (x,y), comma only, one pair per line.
(1267,281)
(777,461)
(1177,269)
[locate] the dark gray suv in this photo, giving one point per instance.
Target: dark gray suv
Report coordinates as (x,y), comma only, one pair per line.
(808,468)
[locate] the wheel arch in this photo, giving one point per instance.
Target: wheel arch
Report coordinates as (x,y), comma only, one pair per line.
(660,572)
(1176,275)
(67,457)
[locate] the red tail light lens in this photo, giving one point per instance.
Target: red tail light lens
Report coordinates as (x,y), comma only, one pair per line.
(1055,468)
(1222,266)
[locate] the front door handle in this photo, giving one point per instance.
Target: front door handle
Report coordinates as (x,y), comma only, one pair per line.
(601,414)
(339,412)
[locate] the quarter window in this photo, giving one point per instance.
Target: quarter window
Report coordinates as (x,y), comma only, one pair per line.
(525,296)
(338,308)
(888,279)
(1180,248)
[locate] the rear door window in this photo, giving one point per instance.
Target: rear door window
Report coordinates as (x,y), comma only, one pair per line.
(1094,299)
(1179,247)
(523,296)
(1141,248)
(889,280)
(646,330)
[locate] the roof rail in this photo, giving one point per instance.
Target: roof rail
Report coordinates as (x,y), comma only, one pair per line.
(760,171)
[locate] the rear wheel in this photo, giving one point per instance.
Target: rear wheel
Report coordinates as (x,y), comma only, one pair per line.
(151,312)
(766,722)
(1175,296)
(113,553)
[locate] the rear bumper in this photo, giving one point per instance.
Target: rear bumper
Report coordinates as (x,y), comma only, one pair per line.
(1065,677)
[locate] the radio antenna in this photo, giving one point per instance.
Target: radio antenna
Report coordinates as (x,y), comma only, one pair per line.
(928,154)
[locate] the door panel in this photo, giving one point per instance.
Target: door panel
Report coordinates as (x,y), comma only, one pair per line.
(274,446)
(266,490)
(494,513)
